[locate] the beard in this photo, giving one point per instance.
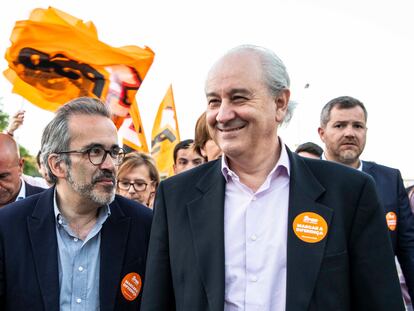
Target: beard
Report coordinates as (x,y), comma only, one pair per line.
(90,191)
(348,157)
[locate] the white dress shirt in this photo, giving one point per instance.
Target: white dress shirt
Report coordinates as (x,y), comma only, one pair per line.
(255,239)
(22,193)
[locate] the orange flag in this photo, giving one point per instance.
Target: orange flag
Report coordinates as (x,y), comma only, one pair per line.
(55,57)
(134,137)
(165,135)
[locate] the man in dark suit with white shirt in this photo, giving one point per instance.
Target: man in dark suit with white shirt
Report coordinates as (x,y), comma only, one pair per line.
(12,185)
(262,228)
(343,129)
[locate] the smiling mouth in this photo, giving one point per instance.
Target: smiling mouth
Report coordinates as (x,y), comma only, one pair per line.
(231,130)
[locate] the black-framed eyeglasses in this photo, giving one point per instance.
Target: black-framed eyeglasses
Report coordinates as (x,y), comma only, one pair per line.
(97,154)
(126,184)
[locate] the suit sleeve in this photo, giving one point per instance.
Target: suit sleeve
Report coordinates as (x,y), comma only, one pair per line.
(405,246)
(374,280)
(158,293)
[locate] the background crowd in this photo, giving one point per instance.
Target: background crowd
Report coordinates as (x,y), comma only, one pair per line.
(78,133)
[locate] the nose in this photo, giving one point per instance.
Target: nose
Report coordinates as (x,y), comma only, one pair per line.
(108,163)
(131,189)
(225,112)
(191,165)
(349,131)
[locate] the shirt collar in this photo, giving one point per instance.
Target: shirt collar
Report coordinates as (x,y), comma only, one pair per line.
(22,192)
(359,168)
(282,162)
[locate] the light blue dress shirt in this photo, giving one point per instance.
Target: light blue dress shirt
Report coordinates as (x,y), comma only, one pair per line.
(79,264)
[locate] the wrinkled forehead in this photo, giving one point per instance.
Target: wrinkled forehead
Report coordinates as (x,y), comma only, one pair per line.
(240,66)
(86,130)
(138,171)
(353,114)
(8,159)
(8,147)
(187,154)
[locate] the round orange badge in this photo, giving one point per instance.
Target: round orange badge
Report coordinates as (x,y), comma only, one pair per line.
(310,227)
(131,286)
(391,218)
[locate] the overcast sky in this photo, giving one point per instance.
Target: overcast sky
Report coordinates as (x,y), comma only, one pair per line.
(363,49)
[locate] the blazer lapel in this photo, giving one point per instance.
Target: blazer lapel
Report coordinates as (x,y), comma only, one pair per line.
(42,233)
(206,215)
(368,167)
(114,235)
(303,259)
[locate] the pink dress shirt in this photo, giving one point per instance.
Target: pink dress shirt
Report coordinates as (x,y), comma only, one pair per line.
(255,239)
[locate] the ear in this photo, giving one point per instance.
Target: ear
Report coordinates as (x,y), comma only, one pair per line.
(152,187)
(203,152)
(174,168)
(21,165)
(57,166)
(281,104)
(321,132)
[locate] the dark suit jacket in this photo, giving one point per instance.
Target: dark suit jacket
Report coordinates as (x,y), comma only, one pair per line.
(390,188)
(29,277)
(352,268)
(30,190)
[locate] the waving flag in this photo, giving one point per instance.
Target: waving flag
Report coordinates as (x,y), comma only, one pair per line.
(165,135)
(134,137)
(55,57)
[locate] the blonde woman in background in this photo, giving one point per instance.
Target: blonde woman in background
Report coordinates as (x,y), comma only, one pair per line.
(203,143)
(138,178)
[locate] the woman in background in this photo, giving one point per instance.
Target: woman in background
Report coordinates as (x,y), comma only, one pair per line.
(203,143)
(138,178)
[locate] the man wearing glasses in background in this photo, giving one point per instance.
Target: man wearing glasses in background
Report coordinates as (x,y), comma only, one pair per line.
(76,246)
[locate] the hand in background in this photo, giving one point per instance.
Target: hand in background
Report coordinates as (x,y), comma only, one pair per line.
(15,122)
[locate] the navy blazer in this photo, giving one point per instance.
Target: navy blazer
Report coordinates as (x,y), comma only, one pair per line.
(394,198)
(30,190)
(29,277)
(352,268)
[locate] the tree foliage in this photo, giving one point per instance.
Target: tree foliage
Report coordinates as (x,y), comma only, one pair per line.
(4,118)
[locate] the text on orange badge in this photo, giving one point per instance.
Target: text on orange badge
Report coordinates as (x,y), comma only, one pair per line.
(131,286)
(310,227)
(391,219)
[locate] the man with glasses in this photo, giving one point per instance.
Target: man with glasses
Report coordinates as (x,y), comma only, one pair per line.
(12,185)
(79,246)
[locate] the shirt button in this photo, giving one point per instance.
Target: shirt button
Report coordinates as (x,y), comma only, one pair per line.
(80,268)
(254,198)
(75,239)
(60,221)
(78,300)
(253,237)
(253,278)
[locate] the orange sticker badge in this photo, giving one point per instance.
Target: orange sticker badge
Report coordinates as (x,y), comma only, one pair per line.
(391,219)
(310,227)
(131,286)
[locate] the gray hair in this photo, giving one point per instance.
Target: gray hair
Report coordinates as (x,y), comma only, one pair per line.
(342,102)
(274,70)
(56,136)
